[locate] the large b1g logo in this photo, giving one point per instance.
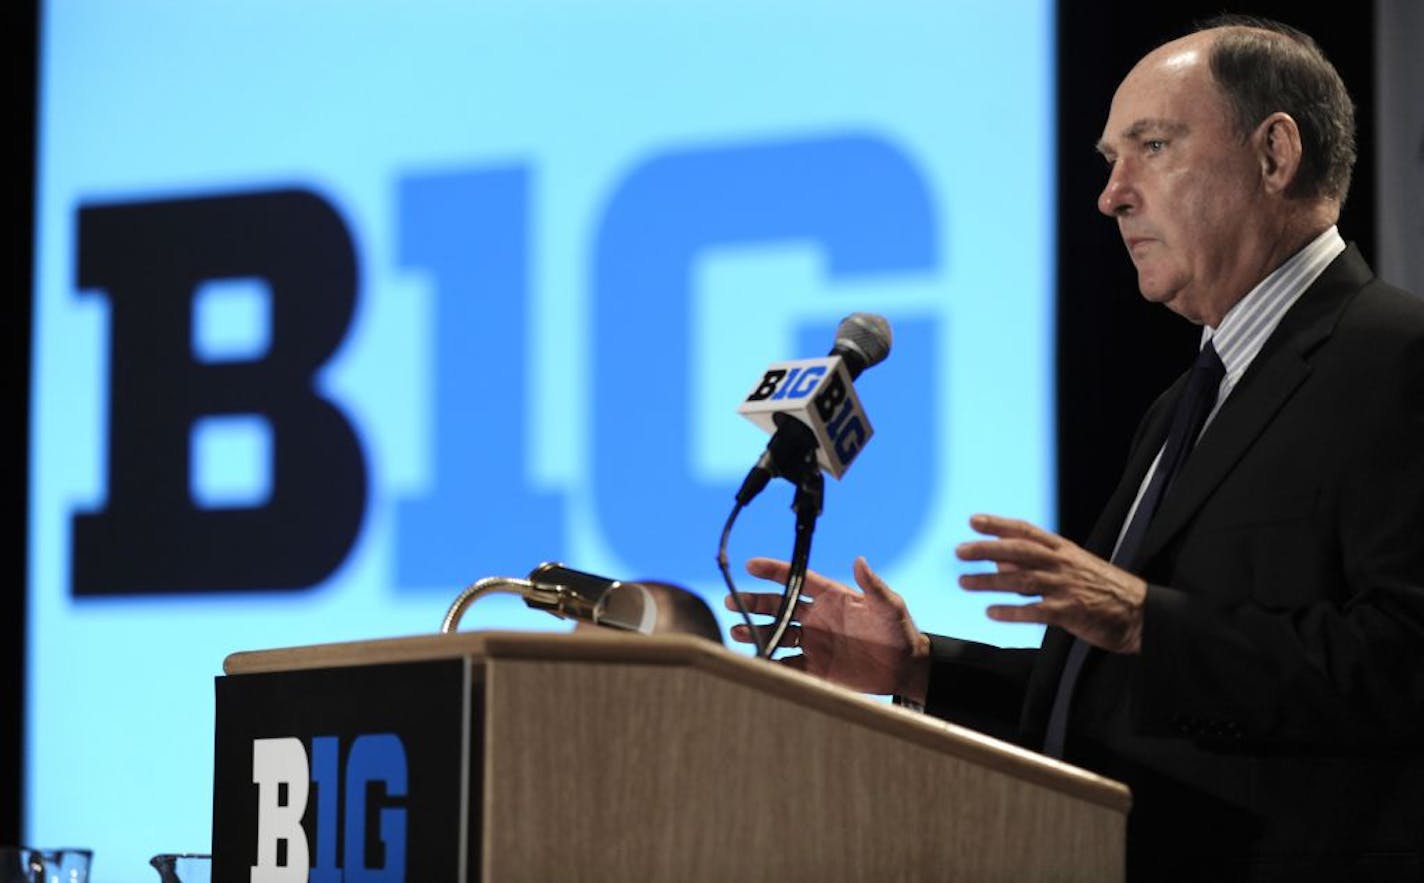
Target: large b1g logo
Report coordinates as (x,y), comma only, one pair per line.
(857,199)
(373,838)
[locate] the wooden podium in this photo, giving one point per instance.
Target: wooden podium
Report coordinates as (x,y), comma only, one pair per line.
(604,756)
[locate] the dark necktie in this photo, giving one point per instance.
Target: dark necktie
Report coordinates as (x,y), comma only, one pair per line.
(1192,410)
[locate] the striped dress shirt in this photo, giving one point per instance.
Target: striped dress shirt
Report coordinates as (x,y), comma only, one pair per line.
(1247,325)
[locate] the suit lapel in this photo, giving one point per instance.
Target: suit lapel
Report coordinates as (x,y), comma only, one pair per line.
(1274,375)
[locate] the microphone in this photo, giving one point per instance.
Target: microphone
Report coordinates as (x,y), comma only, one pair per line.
(862,340)
(809,406)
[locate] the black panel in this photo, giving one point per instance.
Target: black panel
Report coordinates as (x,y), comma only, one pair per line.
(21,27)
(420,703)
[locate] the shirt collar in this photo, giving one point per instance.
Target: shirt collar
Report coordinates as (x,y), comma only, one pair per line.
(1247,325)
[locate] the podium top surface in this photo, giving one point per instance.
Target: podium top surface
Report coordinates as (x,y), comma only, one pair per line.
(607,647)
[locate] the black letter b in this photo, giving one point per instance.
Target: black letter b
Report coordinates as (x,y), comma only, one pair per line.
(149,259)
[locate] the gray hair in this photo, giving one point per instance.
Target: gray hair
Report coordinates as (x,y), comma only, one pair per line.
(1262,67)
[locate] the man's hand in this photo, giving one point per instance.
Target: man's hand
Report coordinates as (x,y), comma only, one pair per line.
(863,640)
(1080,592)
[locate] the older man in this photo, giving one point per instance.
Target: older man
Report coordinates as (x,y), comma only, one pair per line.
(1241,638)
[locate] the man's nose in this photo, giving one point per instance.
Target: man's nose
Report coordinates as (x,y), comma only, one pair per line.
(1119,196)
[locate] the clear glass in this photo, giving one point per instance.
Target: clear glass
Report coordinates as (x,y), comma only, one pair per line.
(25,864)
(183,867)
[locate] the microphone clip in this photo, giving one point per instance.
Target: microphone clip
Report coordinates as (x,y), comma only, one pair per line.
(791,454)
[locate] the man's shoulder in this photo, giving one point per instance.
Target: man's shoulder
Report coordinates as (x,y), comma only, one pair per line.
(1359,306)
(1382,314)
(1378,344)
(1392,301)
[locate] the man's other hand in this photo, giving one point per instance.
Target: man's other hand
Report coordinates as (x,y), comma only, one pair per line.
(863,640)
(1078,591)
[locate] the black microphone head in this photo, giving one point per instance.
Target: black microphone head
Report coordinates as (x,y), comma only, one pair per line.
(862,340)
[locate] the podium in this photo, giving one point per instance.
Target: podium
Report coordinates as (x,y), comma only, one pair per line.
(604,756)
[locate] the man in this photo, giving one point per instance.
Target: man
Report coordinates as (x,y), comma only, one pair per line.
(1241,641)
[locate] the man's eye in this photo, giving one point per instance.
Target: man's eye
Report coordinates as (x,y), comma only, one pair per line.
(1154,145)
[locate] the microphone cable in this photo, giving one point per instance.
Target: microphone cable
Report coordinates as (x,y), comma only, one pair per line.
(810,493)
(731,584)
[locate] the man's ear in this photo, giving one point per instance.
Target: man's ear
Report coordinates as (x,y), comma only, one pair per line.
(1278,151)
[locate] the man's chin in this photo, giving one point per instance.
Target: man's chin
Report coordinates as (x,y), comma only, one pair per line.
(1153,291)
(1185,307)
(1169,297)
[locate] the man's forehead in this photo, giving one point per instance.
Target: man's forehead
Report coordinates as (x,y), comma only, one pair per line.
(1161,93)
(1180,69)
(1179,54)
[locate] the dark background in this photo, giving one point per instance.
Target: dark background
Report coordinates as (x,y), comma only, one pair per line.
(1115,351)
(20,22)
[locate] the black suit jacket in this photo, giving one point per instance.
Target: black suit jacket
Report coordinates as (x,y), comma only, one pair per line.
(1273,725)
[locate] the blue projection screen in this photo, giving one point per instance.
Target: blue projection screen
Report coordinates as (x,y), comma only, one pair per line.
(341,306)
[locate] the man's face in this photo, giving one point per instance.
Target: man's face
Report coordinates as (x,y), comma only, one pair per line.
(1184,188)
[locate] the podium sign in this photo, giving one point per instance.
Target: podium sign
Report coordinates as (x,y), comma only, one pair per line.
(358,773)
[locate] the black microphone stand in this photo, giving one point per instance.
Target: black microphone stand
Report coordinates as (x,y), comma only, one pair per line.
(794,458)
(791,454)
(810,493)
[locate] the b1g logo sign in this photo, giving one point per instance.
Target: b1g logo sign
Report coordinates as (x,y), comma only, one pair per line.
(819,393)
(341,808)
(165,267)
(342,775)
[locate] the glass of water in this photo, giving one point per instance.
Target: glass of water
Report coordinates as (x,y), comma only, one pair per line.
(24,864)
(183,867)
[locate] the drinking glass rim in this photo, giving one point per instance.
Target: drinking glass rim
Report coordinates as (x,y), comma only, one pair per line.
(49,850)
